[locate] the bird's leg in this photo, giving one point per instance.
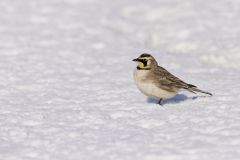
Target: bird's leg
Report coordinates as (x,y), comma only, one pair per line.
(159,102)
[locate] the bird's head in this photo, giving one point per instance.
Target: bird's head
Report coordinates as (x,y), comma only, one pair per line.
(145,62)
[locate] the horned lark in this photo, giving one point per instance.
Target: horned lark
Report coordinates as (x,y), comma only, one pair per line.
(156,82)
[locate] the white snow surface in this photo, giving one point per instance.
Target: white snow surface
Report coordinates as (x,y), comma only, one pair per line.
(67,90)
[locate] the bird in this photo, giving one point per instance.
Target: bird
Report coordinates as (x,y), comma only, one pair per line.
(156,82)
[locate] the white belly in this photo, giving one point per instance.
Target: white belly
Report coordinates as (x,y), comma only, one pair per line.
(148,88)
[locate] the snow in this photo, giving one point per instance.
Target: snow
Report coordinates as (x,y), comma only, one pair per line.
(67,90)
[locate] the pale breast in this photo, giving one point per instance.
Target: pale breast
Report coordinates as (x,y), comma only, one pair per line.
(148,88)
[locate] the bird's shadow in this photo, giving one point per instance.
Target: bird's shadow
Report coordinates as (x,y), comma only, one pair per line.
(177,99)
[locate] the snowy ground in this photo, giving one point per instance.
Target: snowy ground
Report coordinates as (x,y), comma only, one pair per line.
(66,85)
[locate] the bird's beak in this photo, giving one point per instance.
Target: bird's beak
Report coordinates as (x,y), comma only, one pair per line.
(135,60)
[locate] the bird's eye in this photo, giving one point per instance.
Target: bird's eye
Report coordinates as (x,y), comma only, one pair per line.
(145,62)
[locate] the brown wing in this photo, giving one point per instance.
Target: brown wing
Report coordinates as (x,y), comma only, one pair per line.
(168,81)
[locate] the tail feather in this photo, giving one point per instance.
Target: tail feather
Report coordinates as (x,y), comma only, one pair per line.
(194,89)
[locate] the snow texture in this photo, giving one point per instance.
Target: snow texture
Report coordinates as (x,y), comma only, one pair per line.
(66,85)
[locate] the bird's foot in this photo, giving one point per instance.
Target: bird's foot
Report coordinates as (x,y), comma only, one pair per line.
(159,102)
